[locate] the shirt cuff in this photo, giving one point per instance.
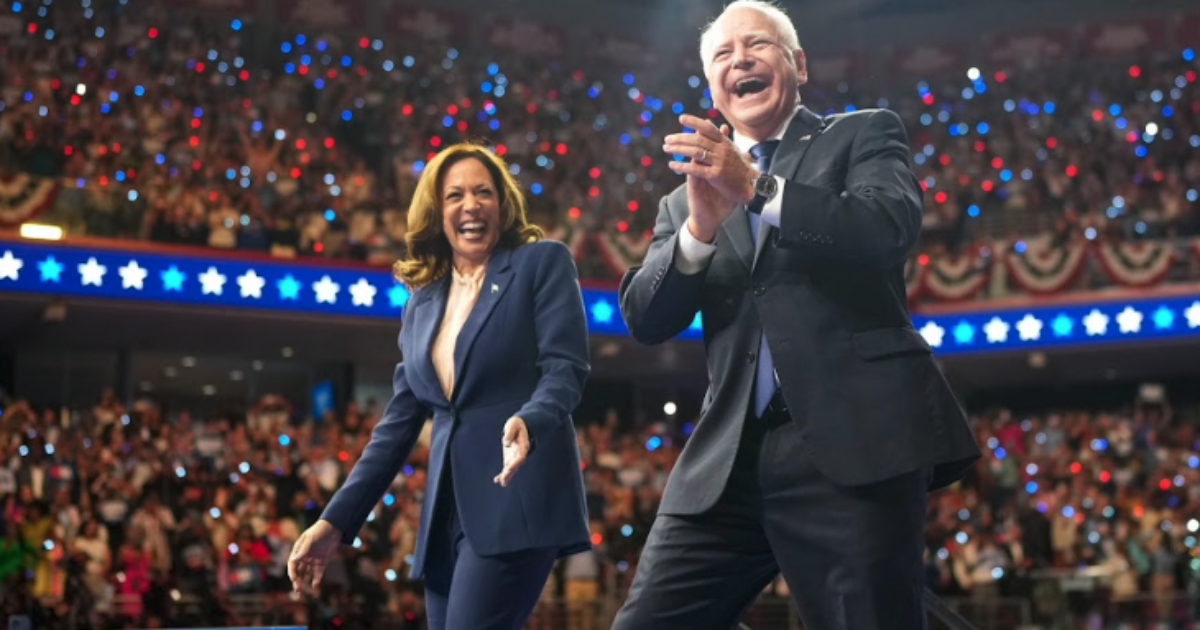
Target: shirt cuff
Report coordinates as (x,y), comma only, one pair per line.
(774,208)
(693,256)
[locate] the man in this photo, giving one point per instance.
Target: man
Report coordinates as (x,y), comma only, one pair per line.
(827,420)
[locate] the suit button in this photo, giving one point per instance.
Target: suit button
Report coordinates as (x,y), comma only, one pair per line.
(759,289)
(749,357)
(729,301)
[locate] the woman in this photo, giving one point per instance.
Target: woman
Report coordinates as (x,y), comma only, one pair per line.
(495,348)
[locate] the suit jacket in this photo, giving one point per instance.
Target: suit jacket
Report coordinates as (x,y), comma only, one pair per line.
(827,289)
(523,351)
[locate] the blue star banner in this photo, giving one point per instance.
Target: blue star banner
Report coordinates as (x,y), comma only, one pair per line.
(196,279)
(331,289)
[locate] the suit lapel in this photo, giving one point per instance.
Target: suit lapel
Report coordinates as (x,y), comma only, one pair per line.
(737,231)
(429,310)
(804,128)
(495,284)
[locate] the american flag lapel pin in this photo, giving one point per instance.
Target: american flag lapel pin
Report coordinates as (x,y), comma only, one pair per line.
(495,288)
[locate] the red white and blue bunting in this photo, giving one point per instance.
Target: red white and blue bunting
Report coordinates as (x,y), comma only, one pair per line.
(621,250)
(1046,267)
(914,277)
(955,277)
(24,197)
(1136,263)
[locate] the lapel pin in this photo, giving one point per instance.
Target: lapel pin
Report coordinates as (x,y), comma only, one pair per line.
(495,287)
(806,138)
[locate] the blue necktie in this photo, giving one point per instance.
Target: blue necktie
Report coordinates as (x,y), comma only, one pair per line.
(765,383)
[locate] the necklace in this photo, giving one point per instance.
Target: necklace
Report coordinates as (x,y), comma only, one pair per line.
(467,280)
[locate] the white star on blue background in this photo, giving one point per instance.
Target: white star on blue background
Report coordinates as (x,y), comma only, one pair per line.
(132,275)
(92,272)
(1129,320)
(10,267)
(1096,322)
(251,284)
(362,293)
(212,282)
(933,334)
(326,290)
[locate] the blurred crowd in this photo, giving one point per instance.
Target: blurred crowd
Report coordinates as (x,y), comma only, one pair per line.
(230,135)
(227,135)
(150,517)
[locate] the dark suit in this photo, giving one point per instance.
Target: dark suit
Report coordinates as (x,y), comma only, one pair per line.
(829,485)
(523,351)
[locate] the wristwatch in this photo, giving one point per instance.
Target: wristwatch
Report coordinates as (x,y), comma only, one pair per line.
(765,189)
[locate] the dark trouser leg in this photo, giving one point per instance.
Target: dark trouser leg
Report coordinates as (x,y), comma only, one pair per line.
(497,592)
(852,556)
(703,571)
(464,591)
(441,557)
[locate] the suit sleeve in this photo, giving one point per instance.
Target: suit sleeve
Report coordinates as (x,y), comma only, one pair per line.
(562,340)
(876,219)
(658,300)
(391,443)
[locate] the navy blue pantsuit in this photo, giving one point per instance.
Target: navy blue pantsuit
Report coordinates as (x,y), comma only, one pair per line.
(523,352)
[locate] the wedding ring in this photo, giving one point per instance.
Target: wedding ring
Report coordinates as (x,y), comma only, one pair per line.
(704,155)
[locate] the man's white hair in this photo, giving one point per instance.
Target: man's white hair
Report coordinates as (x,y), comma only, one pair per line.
(783,26)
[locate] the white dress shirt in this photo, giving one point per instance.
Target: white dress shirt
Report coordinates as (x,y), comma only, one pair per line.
(694,255)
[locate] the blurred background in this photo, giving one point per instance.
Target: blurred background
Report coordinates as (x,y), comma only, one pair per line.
(199,203)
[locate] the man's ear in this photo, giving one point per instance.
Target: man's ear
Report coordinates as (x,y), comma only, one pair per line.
(801,66)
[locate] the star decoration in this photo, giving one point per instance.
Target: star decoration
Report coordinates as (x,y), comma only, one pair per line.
(133,276)
(964,333)
(51,270)
(1164,318)
(92,272)
(1029,328)
(1129,320)
(289,288)
(1063,325)
(173,279)
(326,290)
(398,296)
(933,334)
(1096,323)
(251,284)
(602,311)
(1193,315)
(362,293)
(10,266)
(212,282)
(996,330)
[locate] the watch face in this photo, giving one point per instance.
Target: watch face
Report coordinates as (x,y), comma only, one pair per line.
(765,186)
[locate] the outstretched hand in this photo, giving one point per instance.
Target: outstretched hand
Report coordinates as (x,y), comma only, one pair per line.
(515,443)
(311,554)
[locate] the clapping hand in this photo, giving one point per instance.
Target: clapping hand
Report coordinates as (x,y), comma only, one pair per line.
(719,176)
